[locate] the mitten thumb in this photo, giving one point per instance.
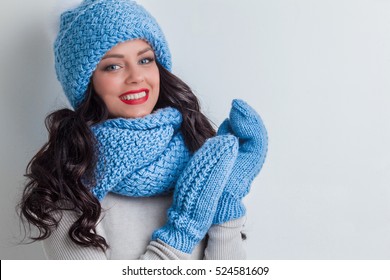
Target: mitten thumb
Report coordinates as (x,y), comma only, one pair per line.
(225,128)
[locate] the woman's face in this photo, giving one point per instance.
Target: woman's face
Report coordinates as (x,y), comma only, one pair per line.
(127,80)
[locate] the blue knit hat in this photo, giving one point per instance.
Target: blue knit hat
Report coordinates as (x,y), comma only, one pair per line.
(93,28)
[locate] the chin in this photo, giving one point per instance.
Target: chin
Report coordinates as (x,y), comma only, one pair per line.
(135,115)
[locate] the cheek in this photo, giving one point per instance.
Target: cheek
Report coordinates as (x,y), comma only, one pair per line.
(155,79)
(97,83)
(157,84)
(102,84)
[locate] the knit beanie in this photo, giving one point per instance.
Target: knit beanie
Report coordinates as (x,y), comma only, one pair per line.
(91,29)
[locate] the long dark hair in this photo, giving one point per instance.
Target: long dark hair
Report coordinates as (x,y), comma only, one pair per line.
(57,175)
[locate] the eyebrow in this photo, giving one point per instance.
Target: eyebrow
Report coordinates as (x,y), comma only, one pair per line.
(115,55)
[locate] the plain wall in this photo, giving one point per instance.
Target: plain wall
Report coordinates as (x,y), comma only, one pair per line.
(317,72)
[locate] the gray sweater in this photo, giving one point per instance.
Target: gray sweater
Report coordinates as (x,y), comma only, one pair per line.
(127,224)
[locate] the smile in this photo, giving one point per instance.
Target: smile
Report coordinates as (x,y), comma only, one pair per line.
(135,97)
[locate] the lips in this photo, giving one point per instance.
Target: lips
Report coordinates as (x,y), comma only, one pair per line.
(135,97)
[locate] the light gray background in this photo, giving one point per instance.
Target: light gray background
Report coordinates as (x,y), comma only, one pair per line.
(317,72)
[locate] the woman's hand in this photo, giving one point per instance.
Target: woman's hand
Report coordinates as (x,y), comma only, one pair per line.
(246,124)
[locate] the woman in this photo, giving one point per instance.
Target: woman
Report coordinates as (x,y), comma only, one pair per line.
(135,146)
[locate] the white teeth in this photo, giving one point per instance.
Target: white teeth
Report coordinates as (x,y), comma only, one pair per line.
(134,96)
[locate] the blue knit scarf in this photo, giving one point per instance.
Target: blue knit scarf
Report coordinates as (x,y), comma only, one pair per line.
(140,157)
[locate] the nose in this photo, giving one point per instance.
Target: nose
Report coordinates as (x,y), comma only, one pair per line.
(134,75)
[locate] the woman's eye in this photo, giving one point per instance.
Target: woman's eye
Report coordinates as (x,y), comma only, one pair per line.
(146,60)
(112,67)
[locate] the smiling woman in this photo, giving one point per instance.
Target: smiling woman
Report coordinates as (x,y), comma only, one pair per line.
(127,80)
(136,170)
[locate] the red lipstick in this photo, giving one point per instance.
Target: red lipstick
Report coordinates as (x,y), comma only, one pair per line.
(135,97)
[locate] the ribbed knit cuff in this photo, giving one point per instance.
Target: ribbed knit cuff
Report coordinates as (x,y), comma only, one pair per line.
(229,208)
(180,240)
(158,250)
(225,241)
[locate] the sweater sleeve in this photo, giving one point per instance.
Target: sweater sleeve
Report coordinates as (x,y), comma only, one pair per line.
(158,250)
(225,241)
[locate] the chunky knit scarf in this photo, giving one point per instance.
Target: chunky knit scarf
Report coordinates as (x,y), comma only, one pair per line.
(140,157)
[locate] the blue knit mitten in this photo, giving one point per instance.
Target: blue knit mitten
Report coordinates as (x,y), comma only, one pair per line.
(247,125)
(197,193)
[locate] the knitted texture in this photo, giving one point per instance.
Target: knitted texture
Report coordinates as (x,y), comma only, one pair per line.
(247,125)
(140,157)
(197,193)
(93,28)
